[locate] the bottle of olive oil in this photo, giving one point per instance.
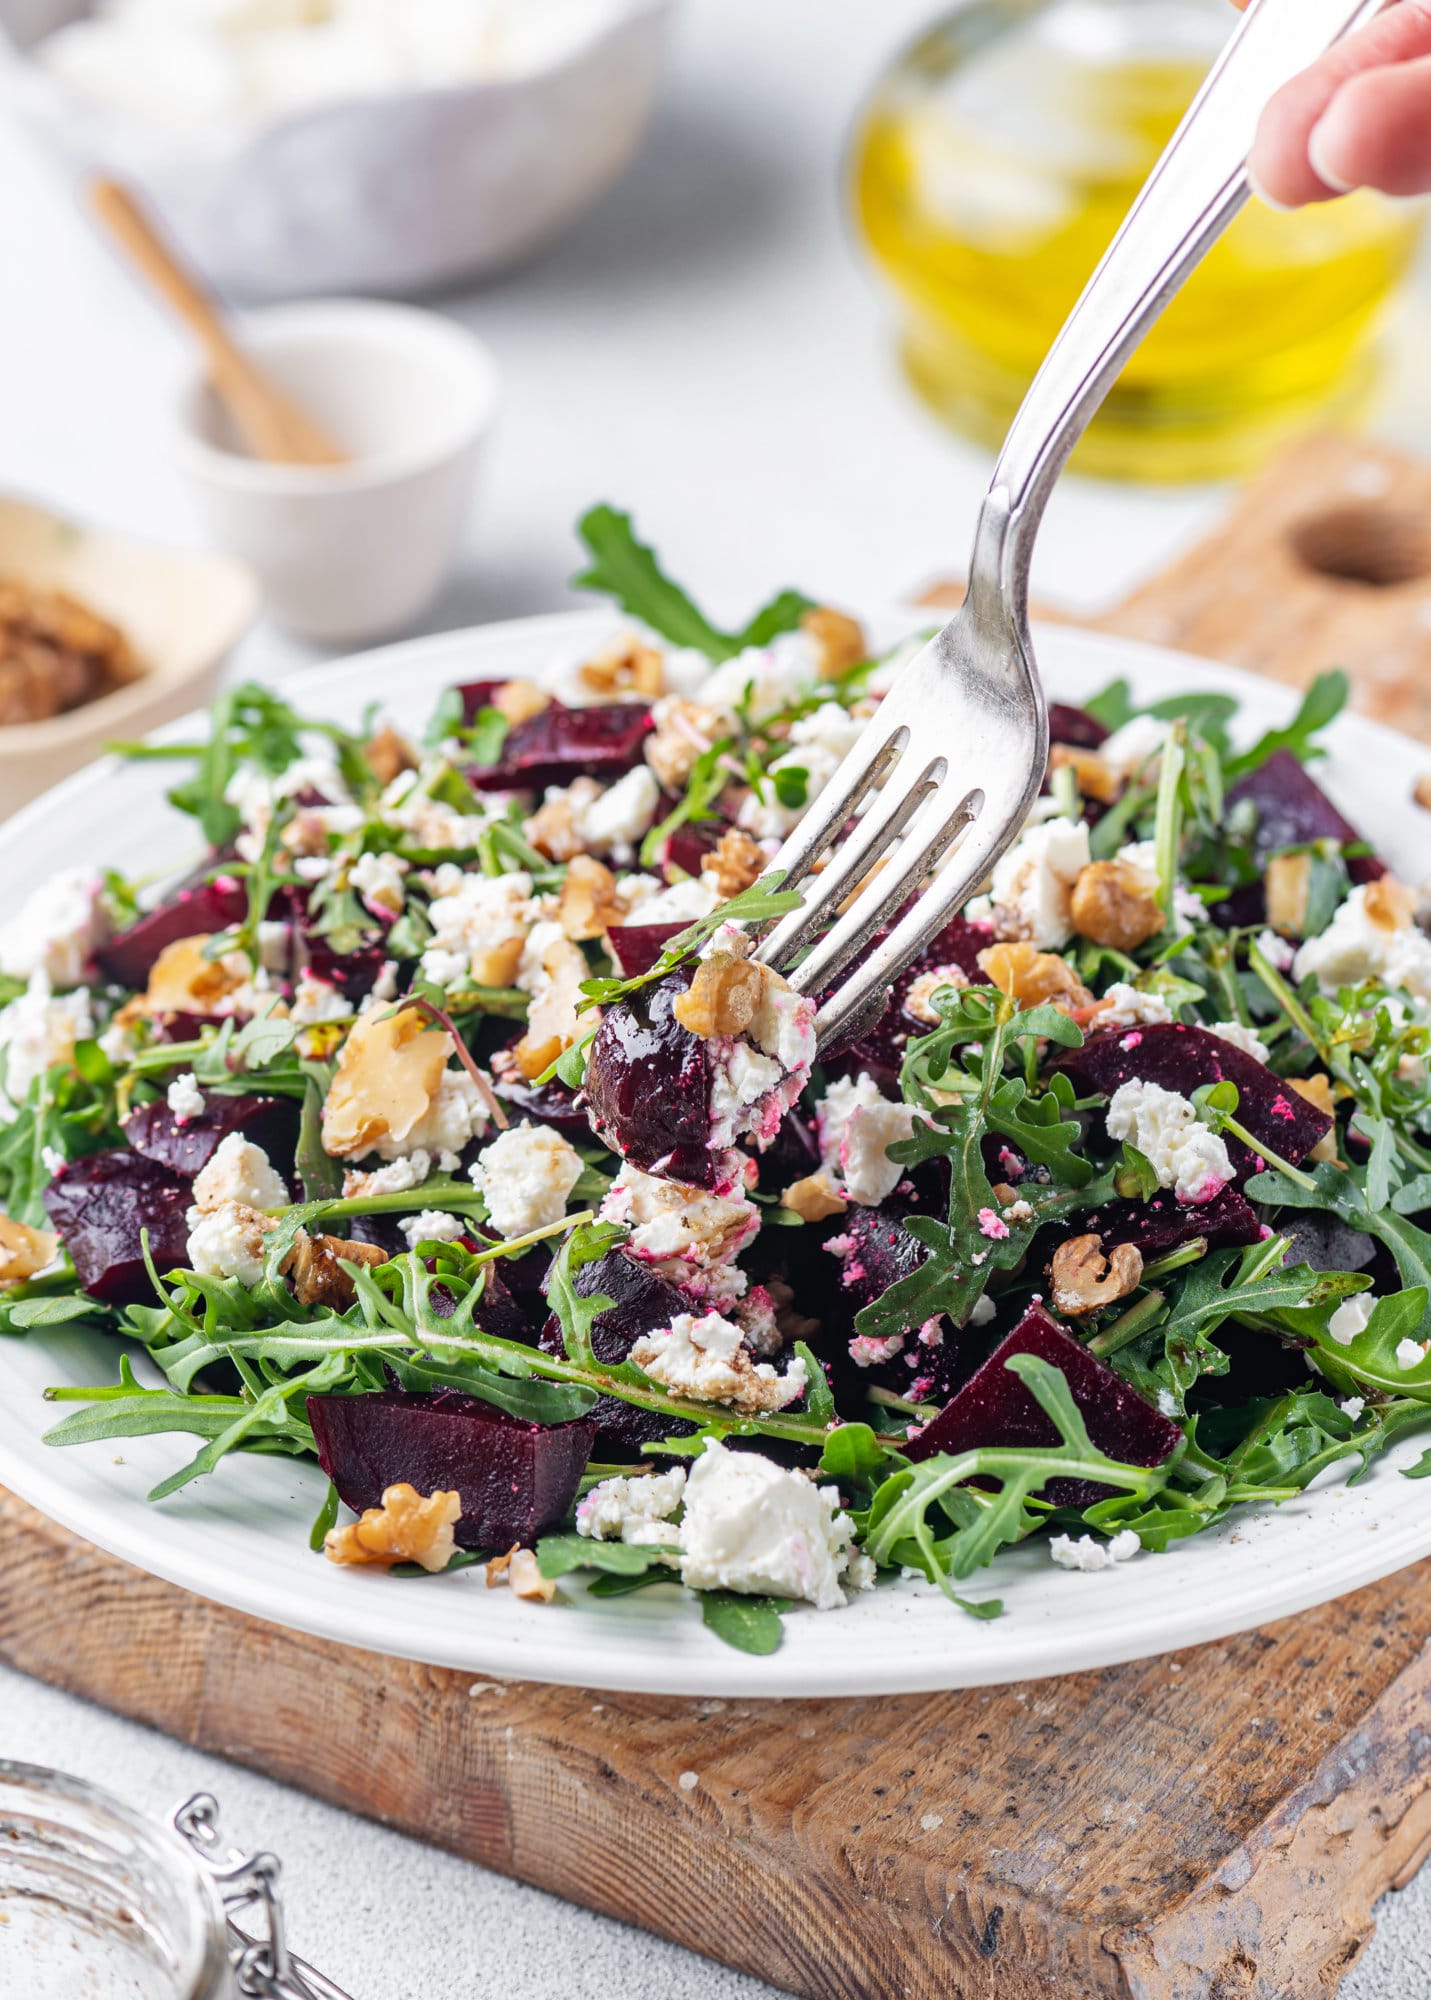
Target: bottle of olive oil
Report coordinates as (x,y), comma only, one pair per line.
(992,166)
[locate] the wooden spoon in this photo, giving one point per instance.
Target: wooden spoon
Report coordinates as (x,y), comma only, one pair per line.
(272,425)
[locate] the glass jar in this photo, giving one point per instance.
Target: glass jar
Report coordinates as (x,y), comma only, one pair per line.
(991,167)
(97,1900)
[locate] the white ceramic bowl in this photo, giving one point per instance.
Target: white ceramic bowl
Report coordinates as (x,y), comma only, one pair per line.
(354,552)
(387,194)
(182,614)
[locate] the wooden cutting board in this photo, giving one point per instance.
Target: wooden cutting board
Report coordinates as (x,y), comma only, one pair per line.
(1211,1826)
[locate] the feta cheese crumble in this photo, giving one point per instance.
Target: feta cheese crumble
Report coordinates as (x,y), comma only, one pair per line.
(706,1358)
(1410,1353)
(856,1124)
(526,1175)
(432,1225)
(1351,1318)
(1239,1037)
(683,1232)
(227,1241)
(1186,1156)
(637,1509)
(479,927)
(751,1526)
(1125,1006)
(240,1172)
(37,1029)
(1032,890)
(56,929)
(184,1097)
(1087,1553)
(1355,946)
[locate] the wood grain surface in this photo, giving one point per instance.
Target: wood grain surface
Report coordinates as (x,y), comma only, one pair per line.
(1211,1826)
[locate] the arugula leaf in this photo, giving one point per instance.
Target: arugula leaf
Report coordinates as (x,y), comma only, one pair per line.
(782,614)
(324,1519)
(626,569)
(762,901)
(750,1624)
(558,1555)
(1320,705)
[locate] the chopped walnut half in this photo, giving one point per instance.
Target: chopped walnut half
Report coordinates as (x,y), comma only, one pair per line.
(589,903)
(814,1198)
(1421,791)
(317,1277)
(183,981)
(1033,977)
(554,829)
(1286,884)
(519,700)
(555,1018)
(628,667)
(724,997)
(388,1074)
(23,1250)
(919,1000)
(683,731)
(1317,1089)
(733,863)
(389,754)
(406,1528)
(1096,777)
(518,1569)
(1085,1279)
(1390,905)
(838,638)
(1114,904)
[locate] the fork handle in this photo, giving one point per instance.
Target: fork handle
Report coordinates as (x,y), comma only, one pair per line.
(1193,192)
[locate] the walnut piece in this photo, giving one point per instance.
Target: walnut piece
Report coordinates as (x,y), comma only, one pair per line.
(724,997)
(1096,777)
(519,700)
(814,1198)
(1032,977)
(406,1528)
(388,755)
(183,981)
(388,1074)
(1084,1279)
(1421,791)
(733,863)
(554,829)
(919,1000)
(1390,905)
(518,1569)
(628,667)
(555,1018)
(1114,904)
(589,903)
(23,1250)
(1317,1089)
(1286,885)
(317,1277)
(684,730)
(839,639)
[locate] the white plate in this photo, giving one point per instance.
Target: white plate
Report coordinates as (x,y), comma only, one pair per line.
(241,1536)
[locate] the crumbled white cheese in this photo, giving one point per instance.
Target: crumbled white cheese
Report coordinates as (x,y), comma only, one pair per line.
(184,1097)
(378,879)
(1355,947)
(857,1124)
(819,743)
(56,929)
(526,1175)
(227,1241)
(637,1509)
(385,986)
(429,824)
(678,1228)
(118,1044)
(239,1171)
(37,1029)
(1129,751)
(1276,950)
(614,822)
(704,1357)
(764,678)
(648,903)
(1167,1403)
(316,1000)
(1186,1156)
(983,1311)
(408,1171)
(741,1077)
(1353,1407)
(1088,1554)
(456,1113)
(1410,1353)
(1125,1006)
(433,1225)
(753,1527)
(1351,1317)
(1032,888)
(480,925)
(1246,1039)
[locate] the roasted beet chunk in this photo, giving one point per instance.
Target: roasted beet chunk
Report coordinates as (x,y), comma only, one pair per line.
(648,1085)
(554,1103)
(875,1251)
(1293,809)
(565,743)
(515,1478)
(642,1302)
(1163,1223)
(636,947)
(1074,726)
(1183,1059)
(128,959)
(995,1408)
(188,1144)
(100,1204)
(477,695)
(871,1250)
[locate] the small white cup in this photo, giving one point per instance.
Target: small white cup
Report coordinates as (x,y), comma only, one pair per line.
(349,553)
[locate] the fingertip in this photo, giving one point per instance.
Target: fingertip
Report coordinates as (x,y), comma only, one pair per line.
(1323,156)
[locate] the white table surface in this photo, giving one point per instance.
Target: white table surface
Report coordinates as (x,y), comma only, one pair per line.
(706,349)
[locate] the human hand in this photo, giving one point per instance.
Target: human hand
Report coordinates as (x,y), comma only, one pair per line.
(1360,117)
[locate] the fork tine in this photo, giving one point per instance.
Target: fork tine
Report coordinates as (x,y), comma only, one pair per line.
(866,766)
(888,815)
(940,821)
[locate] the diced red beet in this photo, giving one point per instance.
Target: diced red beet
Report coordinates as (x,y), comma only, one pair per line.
(643,1301)
(477,695)
(553,1103)
(565,743)
(1183,1059)
(875,1251)
(872,1250)
(648,1086)
(128,958)
(1074,726)
(354,973)
(880,1047)
(1292,809)
(1163,1223)
(636,947)
(994,1408)
(690,845)
(100,1204)
(497,1312)
(188,1144)
(515,1478)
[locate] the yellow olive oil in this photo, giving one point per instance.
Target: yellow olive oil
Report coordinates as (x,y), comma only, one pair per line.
(991,168)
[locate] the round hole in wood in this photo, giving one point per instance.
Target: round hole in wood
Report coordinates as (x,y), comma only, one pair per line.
(1368,543)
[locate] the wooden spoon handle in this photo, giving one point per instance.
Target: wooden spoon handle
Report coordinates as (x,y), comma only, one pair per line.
(270,423)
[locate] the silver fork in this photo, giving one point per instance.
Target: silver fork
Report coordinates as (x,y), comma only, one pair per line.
(955,756)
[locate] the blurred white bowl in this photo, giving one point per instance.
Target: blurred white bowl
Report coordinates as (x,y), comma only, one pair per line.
(378,194)
(353,552)
(182,613)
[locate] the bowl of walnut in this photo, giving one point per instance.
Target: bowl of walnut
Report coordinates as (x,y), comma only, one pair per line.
(101,637)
